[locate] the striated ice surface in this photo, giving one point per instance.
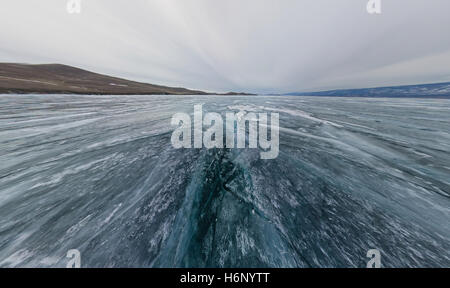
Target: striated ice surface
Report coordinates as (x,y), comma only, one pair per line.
(99,174)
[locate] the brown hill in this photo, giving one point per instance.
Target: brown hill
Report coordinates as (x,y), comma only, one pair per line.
(63,79)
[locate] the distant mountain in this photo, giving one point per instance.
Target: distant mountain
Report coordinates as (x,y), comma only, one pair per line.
(63,79)
(438,90)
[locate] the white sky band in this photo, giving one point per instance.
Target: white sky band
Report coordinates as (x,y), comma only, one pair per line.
(259,46)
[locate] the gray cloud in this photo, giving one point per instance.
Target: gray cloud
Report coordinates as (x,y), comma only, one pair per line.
(252,45)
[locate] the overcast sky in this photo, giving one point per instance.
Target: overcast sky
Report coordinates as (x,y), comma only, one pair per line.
(240,45)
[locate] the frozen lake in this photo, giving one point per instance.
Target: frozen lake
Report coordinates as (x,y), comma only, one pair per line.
(99,174)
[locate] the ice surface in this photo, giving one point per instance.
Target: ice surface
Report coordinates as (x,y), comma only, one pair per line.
(99,174)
